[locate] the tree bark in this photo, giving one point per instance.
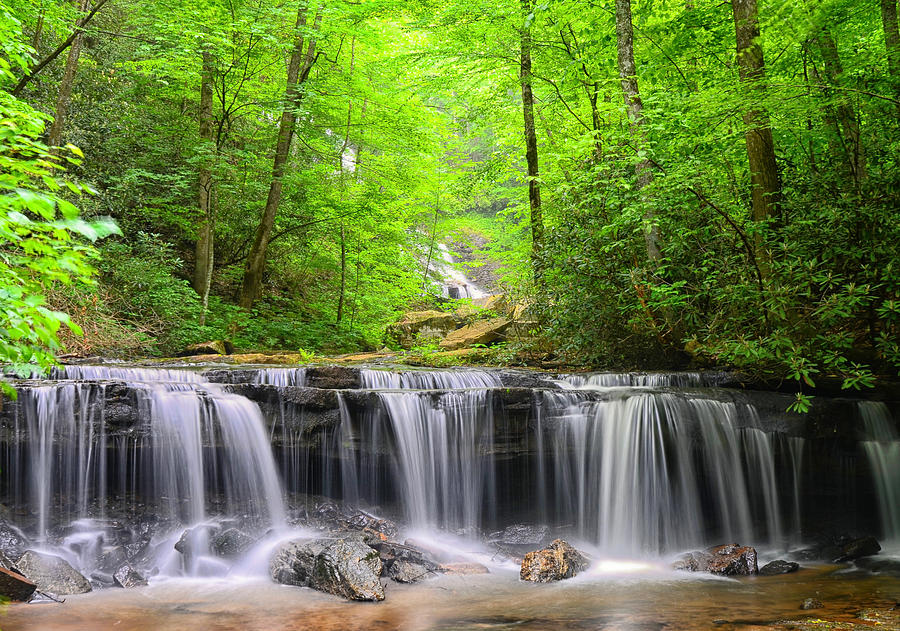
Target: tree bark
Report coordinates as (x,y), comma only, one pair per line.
(766,189)
(298,69)
(847,125)
(54,138)
(892,43)
(204,252)
(340,307)
(531,148)
(635,108)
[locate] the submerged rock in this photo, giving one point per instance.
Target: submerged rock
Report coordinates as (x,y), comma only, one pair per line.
(128,577)
(778,567)
(726,560)
(812,603)
(343,567)
(52,574)
(840,549)
(14,586)
(463,569)
(554,563)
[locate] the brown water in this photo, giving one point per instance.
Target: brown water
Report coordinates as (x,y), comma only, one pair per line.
(450,603)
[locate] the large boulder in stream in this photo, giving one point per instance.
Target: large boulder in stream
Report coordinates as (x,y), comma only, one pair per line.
(774,568)
(726,560)
(405,563)
(52,574)
(128,577)
(557,561)
(343,567)
(421,326)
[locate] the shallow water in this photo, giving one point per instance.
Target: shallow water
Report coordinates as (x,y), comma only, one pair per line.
(628,598)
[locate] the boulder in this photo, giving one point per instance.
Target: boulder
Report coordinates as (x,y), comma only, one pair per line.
(231,543)
(112,559)
(521,537)
(498,303)
(857,548)
(812,603)
(128,577)
(6,563)
(556,562)
(343,567)
(213,347)
(14,586)
(12,541)
(52,574)
(890,567)
(840,549)
(408,572)
(195,541)
(778,567)
(726,560)
(481,332)
(404,563)
(421,326)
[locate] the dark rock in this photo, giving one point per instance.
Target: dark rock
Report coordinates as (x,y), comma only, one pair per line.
(113,559)
(343,567)
(556,562)
(889,567)
(127,577)
(408,572)
(52,574)
(213,347)
(333,377)
(863,547)
(14,586)
(404,563)
(812,603)
(195,541)
(778,567)
(726,560)
(231,543)
(6,563)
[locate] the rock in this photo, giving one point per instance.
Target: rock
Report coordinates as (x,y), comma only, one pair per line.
(497,303)
(556,562)
(14,586)
(231,543)
(812,603)
(778,567)
(196,540)
(12,541)
(6,563)
(52,574)
(421,326)
(404,563)
(726,560)
(127,577)
(213,347)
(863,547)
(113,559)
(463,569)
(520,537)
(890,567)
(343,567)
(481,332)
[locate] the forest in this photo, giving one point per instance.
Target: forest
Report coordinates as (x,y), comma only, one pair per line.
(659,182)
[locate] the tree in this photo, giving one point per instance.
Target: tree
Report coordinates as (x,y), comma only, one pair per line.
(531,147)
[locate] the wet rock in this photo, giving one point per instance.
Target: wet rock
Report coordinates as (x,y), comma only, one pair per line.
(102,579)
(14,586)
(52,574)
(778,567)
(113,559)
(231,543)
(889,567)
(421,326)
(404,563)
(6,563)
(521,535)
(481,332)
(333,377)
(128,577)
(195,541)
(726,560)
(812,603)
(213,347)
(12,541)
(556,562)
(857,548)
(340,517)
(343,567)
(463,569)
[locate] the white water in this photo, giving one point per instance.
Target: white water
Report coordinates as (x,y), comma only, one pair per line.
(453,277)
(882,446)
(429,379)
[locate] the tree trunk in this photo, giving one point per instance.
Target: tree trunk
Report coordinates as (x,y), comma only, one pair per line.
(531,148)
(298,70)
(54,138)
(847,125)
(38,31)
(340,307)
(635,107)
(766,190)
(892,43)
(204,251)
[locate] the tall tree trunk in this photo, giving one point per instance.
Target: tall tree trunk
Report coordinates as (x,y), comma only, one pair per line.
(204,252)
(892,43)
(298,69)
(766,190)
(847,125)
(54,138)
(340,307)
(635,107)
(38,30)
(531,148)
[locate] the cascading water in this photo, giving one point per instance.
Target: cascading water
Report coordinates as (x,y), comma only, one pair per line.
(428,379)
(281,377)
(197,452)
(882,446)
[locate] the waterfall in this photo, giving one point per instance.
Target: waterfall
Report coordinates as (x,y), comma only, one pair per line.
(429,379)
(637,379)
(195,448)
(882,447)
(281,376)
